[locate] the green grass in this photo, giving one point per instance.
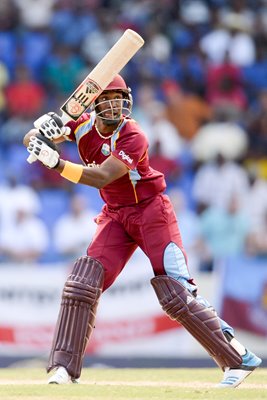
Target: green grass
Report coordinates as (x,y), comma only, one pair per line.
(124,384)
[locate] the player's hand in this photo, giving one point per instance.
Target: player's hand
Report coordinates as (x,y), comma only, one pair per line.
(44,150)
(51,126)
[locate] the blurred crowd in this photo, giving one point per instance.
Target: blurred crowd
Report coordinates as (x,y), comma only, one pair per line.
(200,94)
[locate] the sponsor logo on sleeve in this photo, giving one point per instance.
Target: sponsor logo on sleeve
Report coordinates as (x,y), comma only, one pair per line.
(125,156)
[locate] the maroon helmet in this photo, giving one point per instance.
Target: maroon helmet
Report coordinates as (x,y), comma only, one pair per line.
(118,83)
(125,107)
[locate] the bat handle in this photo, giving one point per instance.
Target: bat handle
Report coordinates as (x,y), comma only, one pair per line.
(31,159)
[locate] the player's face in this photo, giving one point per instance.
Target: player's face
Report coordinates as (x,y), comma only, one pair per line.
(109,105)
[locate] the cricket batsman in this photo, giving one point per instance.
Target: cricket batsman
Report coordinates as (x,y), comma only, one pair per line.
(114,159)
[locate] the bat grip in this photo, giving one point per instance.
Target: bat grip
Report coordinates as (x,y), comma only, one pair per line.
(31,159)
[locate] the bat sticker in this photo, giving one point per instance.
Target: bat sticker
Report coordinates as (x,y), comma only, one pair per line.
(81,99)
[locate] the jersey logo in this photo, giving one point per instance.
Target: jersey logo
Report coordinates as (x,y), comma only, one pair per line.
(125,157)
(105,149)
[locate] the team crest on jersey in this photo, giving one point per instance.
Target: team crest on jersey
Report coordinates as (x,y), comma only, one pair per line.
(105,149)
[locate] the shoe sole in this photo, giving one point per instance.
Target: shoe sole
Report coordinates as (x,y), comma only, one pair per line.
(234,385)
(75,381)
(247,373)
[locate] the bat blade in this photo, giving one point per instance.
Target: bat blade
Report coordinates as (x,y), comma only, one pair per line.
(104,72)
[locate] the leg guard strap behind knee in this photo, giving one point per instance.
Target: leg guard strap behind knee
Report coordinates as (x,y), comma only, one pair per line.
(201,322)
(77,315)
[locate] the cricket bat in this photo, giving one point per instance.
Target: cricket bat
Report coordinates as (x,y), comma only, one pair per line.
(100,77)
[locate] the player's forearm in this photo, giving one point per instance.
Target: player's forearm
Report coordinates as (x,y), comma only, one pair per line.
(92,176)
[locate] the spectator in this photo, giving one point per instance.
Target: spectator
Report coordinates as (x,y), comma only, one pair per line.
(257,126)
(96,43)
(24,96)
(167,165)
(74,230)
(232,35)
(24,239)
(225,88)
(11,128)
(255,75)
(146,94)
(223,135)
(214,42)
(224,232)
(257,240)
(216,182)
(254,202)
(163,131)
(33,48)
(12,195)
(63,71)
(240,7)
(189,69)
(8,35)
(186,111)
(35,14)
(72,21)
(4,78)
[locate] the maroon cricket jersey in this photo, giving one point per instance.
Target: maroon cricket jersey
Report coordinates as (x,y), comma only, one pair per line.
(129,145)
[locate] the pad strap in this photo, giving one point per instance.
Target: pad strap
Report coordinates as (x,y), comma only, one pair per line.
(77,315)
(201,322)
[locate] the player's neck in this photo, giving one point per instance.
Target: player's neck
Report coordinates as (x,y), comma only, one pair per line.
(105,129)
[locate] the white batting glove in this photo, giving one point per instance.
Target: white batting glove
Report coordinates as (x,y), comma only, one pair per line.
(43,150)
(51,126)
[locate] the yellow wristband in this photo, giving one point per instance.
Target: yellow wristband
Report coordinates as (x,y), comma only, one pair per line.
(72,172)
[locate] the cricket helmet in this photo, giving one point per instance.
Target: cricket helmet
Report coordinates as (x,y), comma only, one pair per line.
(117,84)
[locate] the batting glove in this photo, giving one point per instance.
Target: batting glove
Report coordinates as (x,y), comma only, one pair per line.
(51,126)
(44,150)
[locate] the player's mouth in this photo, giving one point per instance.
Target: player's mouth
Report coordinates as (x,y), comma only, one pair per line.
(111,115)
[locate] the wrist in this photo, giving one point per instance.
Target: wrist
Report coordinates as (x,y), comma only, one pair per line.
(70,171)
(59,166)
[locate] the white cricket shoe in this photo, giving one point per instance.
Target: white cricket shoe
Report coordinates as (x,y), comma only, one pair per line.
(61,377)
(233,377)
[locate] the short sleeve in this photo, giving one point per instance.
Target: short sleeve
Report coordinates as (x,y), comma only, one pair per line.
(73,125)
(130,146)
